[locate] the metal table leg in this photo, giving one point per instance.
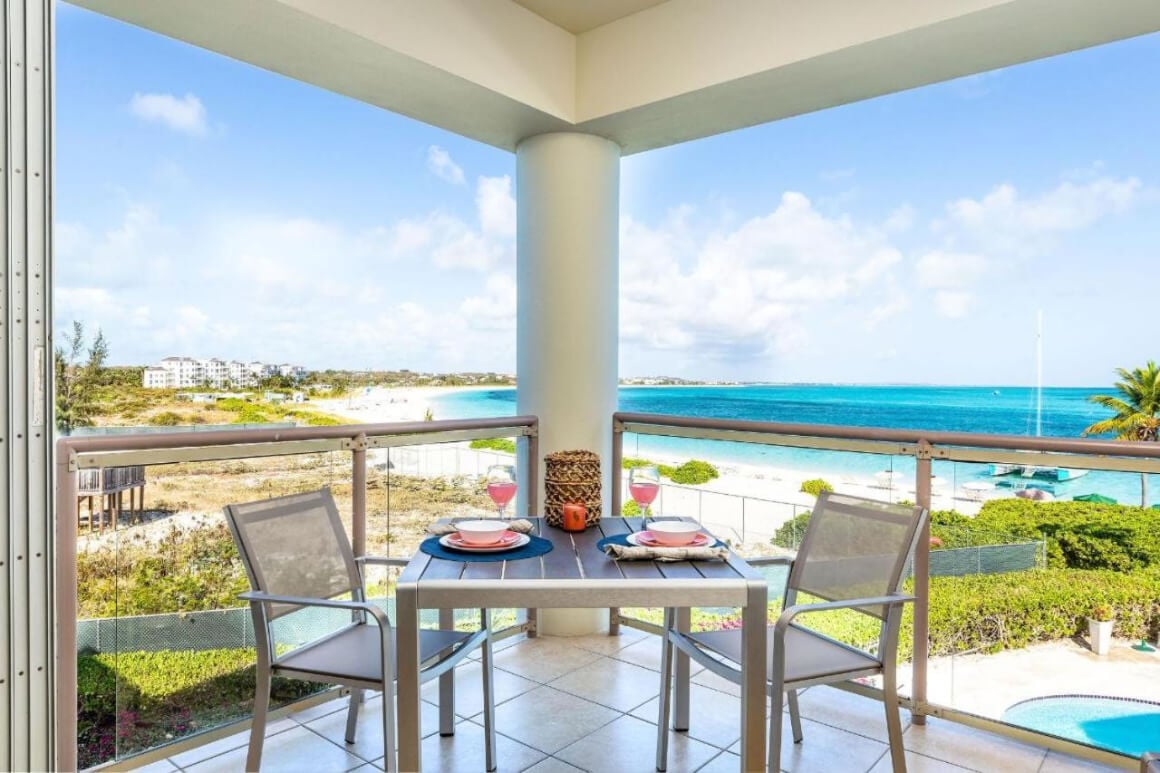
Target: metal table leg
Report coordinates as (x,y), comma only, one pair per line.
(753,665)
(407,652)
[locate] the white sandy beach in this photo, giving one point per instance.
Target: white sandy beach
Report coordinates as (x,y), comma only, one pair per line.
(387,404)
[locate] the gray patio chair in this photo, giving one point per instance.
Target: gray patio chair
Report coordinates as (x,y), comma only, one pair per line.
(852,556)
(297,555)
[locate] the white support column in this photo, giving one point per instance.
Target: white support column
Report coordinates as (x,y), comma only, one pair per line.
(568,198)
(27,668)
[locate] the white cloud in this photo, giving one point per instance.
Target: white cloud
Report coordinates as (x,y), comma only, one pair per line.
(745,292)
(439,163)
(186,114)
(496,206)
(948,270)
(1007,224)
(953,303)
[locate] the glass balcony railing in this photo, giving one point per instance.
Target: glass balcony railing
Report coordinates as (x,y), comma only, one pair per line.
(165,652)
(1028,538)
(1006,579)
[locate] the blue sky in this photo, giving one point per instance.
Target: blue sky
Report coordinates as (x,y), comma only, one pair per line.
(208,208)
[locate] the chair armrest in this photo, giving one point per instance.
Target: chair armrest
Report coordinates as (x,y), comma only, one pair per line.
(382,560)
(305,601)
(790,613)
(768,560)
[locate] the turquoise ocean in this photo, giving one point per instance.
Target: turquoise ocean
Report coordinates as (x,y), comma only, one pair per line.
(991,410)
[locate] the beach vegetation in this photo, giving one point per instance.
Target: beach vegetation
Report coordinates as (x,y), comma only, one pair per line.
(1079,535)
(79,373)
(506,445)
(131,701)
(815,486)
(631,509)
(1136,411)
(692,473)
(633,462)
(167,419)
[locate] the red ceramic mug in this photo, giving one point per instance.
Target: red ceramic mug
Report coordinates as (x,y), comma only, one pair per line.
(575,516)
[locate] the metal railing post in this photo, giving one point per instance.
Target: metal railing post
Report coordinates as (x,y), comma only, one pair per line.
(358,495)
(921,583)
(65,565)
(617,462)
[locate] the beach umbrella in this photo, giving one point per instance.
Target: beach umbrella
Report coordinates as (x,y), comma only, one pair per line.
(1098,499)
(1035,494)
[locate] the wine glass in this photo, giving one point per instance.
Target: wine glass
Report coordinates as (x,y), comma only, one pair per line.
(501,486)
(644,483)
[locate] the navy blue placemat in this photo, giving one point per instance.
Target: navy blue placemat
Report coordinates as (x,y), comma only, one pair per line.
(537,547)
(622,539)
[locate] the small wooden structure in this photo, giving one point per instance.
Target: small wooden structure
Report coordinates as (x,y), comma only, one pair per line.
(110,484)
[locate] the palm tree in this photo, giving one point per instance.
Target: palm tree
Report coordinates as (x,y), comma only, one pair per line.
(1137,409)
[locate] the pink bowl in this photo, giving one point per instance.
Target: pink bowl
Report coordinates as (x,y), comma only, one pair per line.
(674,533)
(481,532)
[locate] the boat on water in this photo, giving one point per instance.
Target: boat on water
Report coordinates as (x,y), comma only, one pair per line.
(1056,474)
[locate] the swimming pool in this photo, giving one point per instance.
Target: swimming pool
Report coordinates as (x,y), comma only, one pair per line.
(1125,725)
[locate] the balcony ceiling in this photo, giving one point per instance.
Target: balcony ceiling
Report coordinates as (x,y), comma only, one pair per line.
(578,16)
(645,74)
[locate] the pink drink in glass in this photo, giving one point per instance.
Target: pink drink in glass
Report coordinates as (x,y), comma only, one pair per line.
(501,493)
(643,493)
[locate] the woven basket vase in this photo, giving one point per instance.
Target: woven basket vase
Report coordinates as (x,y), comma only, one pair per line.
(571,476)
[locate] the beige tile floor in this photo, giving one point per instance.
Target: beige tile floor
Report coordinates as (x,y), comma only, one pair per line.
(589,703)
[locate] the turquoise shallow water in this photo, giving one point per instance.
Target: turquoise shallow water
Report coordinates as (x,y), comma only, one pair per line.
(998,410)
(1126,726)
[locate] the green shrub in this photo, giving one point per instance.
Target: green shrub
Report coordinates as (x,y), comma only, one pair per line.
(632,462)
(185,571)
(165,419)
(789,534)
(507,445)
(130,701)
(630,509)
(993,612)
(815,487)
(1080,535)
(691,473)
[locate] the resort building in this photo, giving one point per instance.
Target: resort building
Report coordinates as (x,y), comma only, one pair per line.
(185,372)
(569,88)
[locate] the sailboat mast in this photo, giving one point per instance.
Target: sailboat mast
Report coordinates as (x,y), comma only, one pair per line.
(1039,376)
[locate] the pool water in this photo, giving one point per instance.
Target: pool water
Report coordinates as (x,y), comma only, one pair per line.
(1122,725)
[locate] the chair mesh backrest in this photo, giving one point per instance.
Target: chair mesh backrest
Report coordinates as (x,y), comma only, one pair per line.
(294,546)
(855,548)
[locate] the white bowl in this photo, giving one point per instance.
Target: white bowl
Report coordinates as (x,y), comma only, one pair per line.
(674,533)
(481,532)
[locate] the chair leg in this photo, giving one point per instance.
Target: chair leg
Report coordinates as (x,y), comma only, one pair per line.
(258,726)
(893,719)
(665,697)
(356,696)
(795,717)
(488,692)
(390,747)
(775,729)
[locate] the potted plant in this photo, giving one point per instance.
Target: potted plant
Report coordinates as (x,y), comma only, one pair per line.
(1100,624)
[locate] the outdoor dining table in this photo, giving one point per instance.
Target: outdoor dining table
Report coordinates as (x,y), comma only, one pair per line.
(576,573)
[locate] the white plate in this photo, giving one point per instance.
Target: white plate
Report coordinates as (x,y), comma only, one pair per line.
(632,540)
(519,543)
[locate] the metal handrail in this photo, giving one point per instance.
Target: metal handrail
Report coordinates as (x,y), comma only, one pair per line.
(91,452)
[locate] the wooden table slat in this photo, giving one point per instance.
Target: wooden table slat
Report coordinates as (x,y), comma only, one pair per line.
(443,569)
(596,564)
(415,567)
(561,562)
(482,570)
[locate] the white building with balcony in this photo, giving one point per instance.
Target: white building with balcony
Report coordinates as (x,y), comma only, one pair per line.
(186,372)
